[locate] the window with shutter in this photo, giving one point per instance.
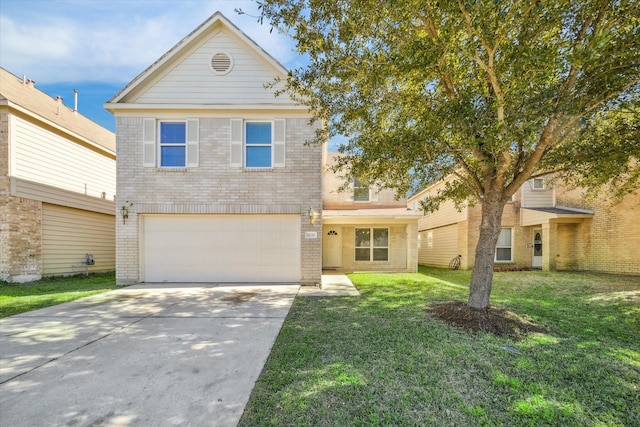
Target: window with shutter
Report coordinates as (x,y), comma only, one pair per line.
(258,144)
(170,143)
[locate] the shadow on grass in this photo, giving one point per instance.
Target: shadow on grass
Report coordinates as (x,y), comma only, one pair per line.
(380,360)
(18,298)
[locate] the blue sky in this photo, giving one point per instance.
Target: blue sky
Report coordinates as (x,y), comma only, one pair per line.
(98,46)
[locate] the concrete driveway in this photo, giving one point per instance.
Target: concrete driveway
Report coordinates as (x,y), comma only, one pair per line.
(145,355)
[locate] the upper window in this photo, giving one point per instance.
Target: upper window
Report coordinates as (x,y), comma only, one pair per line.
(372,244)
(539,184)
(258,144)
(503,247)
(360,191)
(173,144)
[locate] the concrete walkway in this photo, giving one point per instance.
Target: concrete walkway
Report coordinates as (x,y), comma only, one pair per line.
(145,355)
(333,284)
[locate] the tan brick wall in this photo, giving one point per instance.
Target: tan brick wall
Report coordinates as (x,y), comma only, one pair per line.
(20,224)
(610,241)
(399,253)
(334,199)
(216,188)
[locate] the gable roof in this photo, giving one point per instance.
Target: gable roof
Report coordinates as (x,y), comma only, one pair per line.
(25,97)
(216,22)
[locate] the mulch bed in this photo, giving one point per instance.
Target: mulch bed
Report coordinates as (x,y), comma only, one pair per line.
(494,320)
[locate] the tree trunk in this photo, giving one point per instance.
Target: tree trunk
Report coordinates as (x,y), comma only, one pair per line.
(482,275)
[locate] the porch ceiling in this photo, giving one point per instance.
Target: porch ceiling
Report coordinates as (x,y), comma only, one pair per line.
(537,216)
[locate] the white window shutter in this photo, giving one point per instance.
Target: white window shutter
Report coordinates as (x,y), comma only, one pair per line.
(373,194)
(149,142)
(192,142)
(279,153)
(236,143)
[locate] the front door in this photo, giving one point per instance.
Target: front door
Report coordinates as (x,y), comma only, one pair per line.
(332,248)
(536,261)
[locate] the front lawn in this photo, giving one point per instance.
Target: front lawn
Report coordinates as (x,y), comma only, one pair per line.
(380,359)
(17,298)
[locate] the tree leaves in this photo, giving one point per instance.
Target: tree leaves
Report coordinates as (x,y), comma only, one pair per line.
(486,90)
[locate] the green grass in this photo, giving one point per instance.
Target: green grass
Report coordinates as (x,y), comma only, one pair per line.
(381,360)
(18,298)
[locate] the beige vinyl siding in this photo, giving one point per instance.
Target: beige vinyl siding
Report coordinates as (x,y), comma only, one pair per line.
(68,234)
(56,196)
(193,81)
(42,156)
(436,247)
(446,215)
(536,198)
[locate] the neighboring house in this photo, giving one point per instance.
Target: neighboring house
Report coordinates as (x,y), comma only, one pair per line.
(544,226)
(364,229)
(214,179)
(57,185)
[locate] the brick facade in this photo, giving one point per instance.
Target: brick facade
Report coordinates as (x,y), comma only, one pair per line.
(609,242)
(214,187)
(20,224)
(591,234)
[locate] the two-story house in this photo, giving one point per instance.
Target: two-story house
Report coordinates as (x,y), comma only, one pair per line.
(545,226)
(214,179)
(365,228)
(57,186)
(216,182)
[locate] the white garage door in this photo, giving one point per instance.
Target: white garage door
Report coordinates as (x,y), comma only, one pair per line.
(221,248)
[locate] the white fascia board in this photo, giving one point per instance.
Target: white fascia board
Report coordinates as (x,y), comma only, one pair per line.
(110,106)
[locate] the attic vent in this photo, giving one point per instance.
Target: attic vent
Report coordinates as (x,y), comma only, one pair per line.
(221,63)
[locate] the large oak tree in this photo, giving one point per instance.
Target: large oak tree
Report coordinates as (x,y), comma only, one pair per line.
(493,92)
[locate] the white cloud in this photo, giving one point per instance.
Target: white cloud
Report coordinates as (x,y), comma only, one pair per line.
(112,41)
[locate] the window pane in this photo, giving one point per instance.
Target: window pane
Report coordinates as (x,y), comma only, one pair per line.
(380,237)
(172,133)
(258,157)
(504,239)
(380,254)
(172,156)
(503,254)
(360,191)
(258,133)
(363,237)
(363,254)
(361,194)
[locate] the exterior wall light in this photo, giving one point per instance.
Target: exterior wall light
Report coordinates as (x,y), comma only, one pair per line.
(312,215)
(124,211)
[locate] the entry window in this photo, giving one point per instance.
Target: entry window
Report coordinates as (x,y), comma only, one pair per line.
(372,244)
(503,248)
(360,191)
(258,144)
(173,144)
